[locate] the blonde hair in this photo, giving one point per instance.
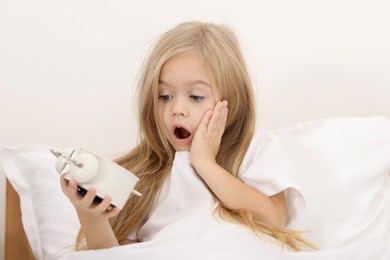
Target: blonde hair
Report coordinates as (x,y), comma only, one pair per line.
(151,160)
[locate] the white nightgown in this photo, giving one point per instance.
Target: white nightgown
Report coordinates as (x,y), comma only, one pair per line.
(185,198)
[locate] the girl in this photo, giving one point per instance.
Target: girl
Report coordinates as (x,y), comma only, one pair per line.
(198,153)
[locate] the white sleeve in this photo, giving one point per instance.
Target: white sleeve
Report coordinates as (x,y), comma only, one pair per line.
(267,168)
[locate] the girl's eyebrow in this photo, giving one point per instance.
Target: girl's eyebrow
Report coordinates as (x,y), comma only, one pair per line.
(199,82)
(162,82)
(189,83)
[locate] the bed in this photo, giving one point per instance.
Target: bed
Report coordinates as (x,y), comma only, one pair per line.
(342,166)
(16,243)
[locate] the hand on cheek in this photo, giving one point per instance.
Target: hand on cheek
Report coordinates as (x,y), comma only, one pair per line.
(207,139)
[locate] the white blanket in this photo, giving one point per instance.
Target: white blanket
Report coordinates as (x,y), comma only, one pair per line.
(221,245)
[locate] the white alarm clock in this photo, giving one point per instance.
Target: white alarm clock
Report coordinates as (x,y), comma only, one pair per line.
(91,170)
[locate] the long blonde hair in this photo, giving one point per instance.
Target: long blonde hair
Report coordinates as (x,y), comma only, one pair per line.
(217,47)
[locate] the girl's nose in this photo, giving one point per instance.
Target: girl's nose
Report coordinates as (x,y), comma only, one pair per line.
(179,107)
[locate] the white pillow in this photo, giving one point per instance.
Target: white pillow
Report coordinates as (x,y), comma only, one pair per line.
(343,167)
(49,219)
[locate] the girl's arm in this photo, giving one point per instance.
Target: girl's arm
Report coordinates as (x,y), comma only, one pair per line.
(236,194)
(230,190)
(93,217)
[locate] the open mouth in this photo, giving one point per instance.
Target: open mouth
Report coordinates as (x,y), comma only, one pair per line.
(182,133)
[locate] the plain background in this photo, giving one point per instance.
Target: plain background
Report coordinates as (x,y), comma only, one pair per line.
(68,69)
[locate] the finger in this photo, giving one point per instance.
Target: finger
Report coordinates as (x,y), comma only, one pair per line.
(72,191)
(218,126)
(102,206)
(217,119)
(87,200)
(112,213)
(223,118)
(205,121)
(214,117)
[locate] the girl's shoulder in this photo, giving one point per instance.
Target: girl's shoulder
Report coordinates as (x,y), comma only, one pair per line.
(266,151)
(268,168)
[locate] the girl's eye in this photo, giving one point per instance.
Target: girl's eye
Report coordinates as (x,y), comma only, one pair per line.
(196,98)
(165,97)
